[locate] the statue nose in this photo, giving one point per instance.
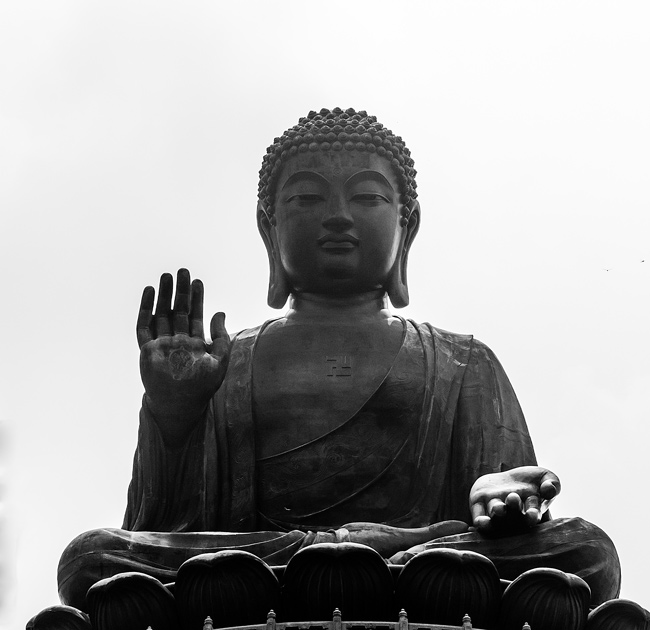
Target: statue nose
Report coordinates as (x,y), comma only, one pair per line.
(339,218)
(338,223)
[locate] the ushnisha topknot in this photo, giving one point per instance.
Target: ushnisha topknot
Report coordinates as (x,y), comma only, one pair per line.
(338,130)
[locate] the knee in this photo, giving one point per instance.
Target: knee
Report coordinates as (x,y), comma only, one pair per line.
(572,545)
(589,552)
(83,563)
(584,538)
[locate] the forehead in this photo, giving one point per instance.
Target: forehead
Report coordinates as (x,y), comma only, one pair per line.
(336,166)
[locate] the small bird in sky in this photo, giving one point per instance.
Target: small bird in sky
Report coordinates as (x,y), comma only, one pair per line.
(618,267)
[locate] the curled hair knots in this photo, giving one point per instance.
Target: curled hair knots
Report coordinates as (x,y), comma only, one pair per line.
(339,130)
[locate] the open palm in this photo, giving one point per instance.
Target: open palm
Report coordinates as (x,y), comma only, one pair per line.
(180,370)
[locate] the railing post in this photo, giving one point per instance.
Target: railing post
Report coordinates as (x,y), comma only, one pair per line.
(403,623)
(467,622)
(207,624)
(270,620)
(336,620)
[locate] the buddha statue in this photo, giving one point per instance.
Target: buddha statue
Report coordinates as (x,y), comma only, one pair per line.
(339,421)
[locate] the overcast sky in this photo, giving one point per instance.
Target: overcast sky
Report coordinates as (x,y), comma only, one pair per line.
(131,138)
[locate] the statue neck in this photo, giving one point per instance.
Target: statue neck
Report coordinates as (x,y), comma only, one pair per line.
(358,308)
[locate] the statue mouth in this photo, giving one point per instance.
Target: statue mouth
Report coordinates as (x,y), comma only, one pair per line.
(338,241)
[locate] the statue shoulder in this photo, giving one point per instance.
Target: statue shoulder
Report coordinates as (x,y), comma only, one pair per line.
(456,341)
(460,349)
(250,335)
(446,335)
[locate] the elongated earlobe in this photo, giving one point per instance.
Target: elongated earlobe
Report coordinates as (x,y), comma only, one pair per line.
(397,286)
(278,283)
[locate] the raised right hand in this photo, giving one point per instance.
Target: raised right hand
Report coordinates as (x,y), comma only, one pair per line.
(180,371)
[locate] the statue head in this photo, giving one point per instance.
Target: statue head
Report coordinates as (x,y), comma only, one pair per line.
(337,207)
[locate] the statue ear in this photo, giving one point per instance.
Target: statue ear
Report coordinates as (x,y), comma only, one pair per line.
(278,282)
(397,288)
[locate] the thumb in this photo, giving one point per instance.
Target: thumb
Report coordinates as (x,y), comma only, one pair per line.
(549,486)
(220,345)
(218,327)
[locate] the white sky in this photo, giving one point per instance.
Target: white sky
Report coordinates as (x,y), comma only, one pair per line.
(132,135)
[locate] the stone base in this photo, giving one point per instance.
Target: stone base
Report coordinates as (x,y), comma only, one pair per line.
(442,589)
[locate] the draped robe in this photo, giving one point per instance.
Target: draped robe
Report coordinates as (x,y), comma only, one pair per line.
(462,421)
(468,423)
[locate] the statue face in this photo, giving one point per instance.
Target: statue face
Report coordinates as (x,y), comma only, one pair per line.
(338,221)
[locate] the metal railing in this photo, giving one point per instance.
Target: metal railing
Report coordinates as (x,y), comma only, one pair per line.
(338,624)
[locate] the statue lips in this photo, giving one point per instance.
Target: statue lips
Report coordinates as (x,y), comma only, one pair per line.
(338,242)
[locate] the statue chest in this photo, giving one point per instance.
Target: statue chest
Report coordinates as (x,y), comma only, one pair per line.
(308,380)
(329,454)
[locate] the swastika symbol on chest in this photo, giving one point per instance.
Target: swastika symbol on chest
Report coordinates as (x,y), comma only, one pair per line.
(338,365)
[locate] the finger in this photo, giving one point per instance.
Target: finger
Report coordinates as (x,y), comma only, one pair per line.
(496,508)
(479,518)
(164,306)
(482,523)
(514,503)
(196,310)
(182,303)
(142,327)
(531,506)
(549,486)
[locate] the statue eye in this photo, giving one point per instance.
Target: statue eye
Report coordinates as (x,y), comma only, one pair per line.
(369,198)
(306,198)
